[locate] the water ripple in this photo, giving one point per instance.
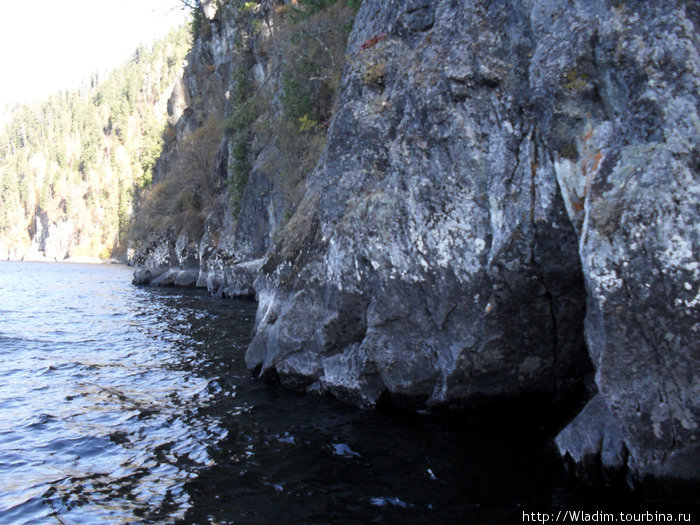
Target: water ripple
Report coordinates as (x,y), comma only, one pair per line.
(130,405)
(99,409)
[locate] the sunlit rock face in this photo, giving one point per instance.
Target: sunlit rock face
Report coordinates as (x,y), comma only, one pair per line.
(509,192)
(433,258)
(167,261)
(632,188)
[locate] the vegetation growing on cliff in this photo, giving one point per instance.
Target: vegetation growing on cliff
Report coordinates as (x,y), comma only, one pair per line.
(308,51)
(283,72)
(75,160)
(185,195)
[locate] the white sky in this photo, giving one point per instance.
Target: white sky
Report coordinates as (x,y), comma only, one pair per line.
(47,45)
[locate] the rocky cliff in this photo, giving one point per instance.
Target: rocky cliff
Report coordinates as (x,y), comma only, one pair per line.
(507,199)
(260,84)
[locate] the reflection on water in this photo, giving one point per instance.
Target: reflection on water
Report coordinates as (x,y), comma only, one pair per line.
(133,405)
(104,392)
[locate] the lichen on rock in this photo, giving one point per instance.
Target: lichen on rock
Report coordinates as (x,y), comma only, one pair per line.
(495,173)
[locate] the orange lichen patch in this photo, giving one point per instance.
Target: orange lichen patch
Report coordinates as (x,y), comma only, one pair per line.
(577,206)
(588,135)
(596,161)
(373,41)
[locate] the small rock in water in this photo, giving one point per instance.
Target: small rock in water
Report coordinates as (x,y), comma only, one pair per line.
(341,449)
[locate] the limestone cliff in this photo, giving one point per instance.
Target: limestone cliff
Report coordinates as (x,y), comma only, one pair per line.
(507,199)
(502,182)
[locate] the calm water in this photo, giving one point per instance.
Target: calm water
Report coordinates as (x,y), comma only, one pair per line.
(133,405)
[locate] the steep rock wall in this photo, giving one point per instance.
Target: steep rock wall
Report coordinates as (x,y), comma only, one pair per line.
(170,256)
(222,52)
(637,177)
(241,69)
(495,172)
(425,257)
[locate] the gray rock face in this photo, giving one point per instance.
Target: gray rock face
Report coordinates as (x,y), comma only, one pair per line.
(632,185)
(434,259)
(595,444)
(231,252)
(52,240)
(495,172)
(168,258)
(167,262)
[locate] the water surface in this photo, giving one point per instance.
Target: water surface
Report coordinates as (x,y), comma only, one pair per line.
(121,404)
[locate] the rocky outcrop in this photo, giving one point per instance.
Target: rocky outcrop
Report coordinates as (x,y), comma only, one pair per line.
(632,187)
(424,260)
(507,202)
(52,241)
(174,257)
(507,190)
(230,54)
(167,262)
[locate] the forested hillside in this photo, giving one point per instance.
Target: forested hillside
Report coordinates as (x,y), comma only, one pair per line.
(72,165)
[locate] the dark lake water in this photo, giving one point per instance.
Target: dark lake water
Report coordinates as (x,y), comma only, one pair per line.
(121,404)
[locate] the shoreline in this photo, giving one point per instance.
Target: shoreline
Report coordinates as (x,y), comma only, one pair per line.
(68,260)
